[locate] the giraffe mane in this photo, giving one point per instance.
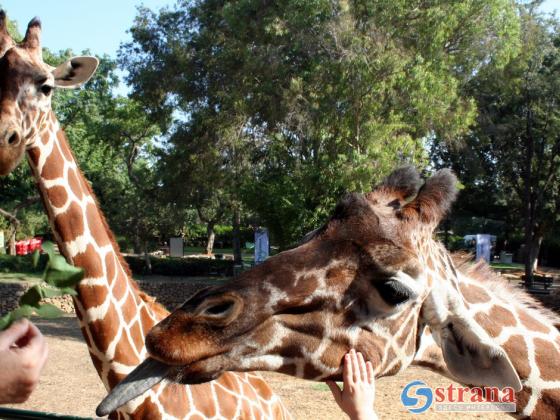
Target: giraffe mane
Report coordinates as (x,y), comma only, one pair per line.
(481,272)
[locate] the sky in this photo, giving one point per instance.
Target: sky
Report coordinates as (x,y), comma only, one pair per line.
(98,25)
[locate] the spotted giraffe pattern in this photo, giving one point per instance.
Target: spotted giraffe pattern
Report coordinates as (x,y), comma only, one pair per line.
(114,314)
(527,332)
(374,279)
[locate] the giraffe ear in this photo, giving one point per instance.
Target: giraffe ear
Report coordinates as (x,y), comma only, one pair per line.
(75,72)
(435,197)
(470,354)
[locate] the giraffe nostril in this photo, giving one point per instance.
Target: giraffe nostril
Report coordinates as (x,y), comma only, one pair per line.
(14,139)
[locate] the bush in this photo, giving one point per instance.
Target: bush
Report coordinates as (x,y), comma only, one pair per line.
(21,264)
(187,267)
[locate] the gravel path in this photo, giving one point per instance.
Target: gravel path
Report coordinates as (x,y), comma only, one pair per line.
(71,386)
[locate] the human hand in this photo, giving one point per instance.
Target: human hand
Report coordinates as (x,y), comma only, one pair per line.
(23,353)
(357,397)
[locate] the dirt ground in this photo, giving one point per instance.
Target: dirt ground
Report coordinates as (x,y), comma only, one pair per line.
(71,386)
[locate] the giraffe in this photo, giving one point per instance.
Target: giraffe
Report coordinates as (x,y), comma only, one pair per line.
(113,313)
(373,278)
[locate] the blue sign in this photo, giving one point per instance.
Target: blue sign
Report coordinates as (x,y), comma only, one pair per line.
(261,245)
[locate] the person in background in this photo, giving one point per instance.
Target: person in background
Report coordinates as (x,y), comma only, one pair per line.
(23,353)
(358,394)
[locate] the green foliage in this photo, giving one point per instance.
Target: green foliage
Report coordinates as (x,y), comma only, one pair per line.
(281,107)
(59,279)
(510,159)
(22,264)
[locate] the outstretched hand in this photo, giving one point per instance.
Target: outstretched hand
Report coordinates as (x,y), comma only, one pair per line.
(23,353)
(357,397)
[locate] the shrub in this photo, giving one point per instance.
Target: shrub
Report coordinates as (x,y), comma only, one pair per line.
(187,267)
(21,264)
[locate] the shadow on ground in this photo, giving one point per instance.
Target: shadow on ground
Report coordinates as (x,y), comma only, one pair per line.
(65,328)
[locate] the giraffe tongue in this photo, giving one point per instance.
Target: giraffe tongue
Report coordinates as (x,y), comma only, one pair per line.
(147,374)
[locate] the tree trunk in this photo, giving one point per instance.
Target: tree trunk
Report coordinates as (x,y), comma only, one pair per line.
(532,259)
(237,258)
(147,258)
(210,236)
(12,240)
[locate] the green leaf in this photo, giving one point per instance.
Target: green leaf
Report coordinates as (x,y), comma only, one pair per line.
(31,297)
(24,311)
(47,310)
(48,247)
(35,258)
(5,321)
(61,274)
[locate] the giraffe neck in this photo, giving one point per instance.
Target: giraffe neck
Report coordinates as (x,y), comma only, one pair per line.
(528,335)
(113,314)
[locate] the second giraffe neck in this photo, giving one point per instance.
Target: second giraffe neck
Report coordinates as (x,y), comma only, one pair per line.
(113,313)
(529,336)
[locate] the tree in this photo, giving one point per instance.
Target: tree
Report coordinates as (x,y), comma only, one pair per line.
(517,133)
(331,95)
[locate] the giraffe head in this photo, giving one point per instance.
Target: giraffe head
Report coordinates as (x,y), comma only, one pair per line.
(363,281)
(26,86)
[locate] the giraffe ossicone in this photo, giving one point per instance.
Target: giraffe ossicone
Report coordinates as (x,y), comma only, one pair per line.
(114,314)
(372,278)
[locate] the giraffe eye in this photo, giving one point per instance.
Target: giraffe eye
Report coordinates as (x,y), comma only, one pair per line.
(46,90)
(394,292)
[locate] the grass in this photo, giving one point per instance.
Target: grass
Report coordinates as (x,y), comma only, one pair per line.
(320,386)
(502,266)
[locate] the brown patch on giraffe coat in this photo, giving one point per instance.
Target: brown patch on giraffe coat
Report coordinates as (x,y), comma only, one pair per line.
(124,352)
(288,369)
(34,154)
(531,323)
(473,293)
(74,184)
(146,410)
(104,330)
(91,262)
(93,295)
(114,378)
(53,167)
(175,397)
(70,224)
(259,384)
(310,371)
(516,348)
(63,144)
(334,355)
(97,226)
(547,357)
(548,405)
(204,404)
(137,335)
(97,363)
(57,196)
(146,319)
(110,267)
(493,321)
(129,308)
